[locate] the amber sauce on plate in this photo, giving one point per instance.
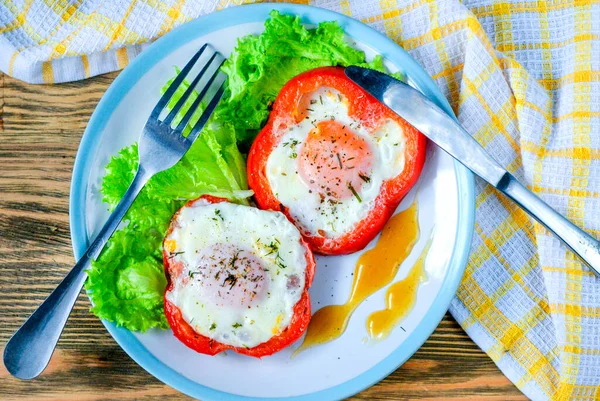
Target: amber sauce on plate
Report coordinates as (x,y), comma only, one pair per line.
(400,299)
(375,269)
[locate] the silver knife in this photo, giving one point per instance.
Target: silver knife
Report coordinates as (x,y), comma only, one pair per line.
(445,132)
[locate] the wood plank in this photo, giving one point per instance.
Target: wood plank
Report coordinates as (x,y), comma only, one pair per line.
(40,128)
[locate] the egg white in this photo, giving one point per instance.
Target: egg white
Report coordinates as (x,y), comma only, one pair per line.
(334,217)
(270,237)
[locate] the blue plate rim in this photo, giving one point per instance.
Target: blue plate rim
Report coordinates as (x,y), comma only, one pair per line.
(257,13)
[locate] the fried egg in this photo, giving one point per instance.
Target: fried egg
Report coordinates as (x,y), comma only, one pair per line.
(328,168)
(237,271)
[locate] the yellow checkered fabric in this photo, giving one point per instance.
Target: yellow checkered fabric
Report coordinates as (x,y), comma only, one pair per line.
(524,80)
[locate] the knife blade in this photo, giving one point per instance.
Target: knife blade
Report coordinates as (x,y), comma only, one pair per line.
(448,134)
(432,121)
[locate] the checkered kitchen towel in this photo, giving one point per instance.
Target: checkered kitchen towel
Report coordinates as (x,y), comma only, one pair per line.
(524,80)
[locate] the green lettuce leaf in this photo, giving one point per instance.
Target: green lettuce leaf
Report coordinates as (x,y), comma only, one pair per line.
(126,283)
(261,65)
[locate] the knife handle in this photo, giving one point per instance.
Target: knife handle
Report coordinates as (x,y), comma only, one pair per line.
(583,244)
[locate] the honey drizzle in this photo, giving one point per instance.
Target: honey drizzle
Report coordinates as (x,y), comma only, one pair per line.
(401,298)
(375,269)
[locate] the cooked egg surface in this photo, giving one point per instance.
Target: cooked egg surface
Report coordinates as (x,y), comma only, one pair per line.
(237,271)
(328,168)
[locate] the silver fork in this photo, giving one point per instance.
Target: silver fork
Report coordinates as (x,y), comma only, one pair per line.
(29,350)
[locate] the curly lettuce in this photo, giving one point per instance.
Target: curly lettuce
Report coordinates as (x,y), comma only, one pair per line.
(262,64)
(127,283)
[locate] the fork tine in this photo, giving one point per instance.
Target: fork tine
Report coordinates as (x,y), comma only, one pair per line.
(206,114)
(186,119)
(188,92)
(175,84)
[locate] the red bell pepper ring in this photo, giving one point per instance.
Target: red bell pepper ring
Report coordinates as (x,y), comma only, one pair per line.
(205,345)
(289,108)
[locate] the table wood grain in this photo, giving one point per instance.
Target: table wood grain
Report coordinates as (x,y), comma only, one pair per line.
(40,130)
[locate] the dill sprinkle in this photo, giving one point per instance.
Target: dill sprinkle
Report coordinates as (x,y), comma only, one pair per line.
(351,188)
(291,143)
(231,279)
(339,160)
(365,178)
(234,259)
(273,247)
(171,256)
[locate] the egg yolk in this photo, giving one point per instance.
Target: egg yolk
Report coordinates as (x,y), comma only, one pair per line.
(334,160)
(230,276)
(170,245)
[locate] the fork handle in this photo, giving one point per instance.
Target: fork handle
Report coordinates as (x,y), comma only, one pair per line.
(29,350)
(583,244)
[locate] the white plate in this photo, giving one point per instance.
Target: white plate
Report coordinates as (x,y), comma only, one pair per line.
(343,366)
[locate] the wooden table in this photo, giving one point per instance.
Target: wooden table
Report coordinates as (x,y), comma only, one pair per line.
(40,130)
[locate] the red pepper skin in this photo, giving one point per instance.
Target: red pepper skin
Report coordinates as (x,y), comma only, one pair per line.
(205,345)
(362,107)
